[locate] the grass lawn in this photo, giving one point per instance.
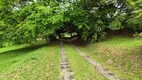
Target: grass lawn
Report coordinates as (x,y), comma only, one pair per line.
(81,68)
(14,47)
(122,55)
(34,63)
(41,61)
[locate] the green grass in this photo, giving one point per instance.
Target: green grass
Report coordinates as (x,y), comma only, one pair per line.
(81,68)
(34,63)
(13,47)
(41,61)
(122,55)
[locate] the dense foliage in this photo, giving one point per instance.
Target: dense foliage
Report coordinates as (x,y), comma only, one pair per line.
(23,21)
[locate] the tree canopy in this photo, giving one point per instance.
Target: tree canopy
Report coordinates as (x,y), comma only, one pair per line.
(23,21)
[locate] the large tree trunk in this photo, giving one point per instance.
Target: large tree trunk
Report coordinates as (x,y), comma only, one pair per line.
(79,35)
(71,35)
(59,36)
(47,39)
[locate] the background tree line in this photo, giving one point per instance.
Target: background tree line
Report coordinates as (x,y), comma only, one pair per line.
(23,21)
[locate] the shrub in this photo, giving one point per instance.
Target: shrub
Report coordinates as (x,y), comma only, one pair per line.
(138,35)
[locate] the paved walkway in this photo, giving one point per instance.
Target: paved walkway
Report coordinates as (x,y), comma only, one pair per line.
(66,73)
(105,72)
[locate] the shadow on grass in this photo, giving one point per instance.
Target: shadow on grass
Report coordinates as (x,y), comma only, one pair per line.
(23,50)
(29,48)
(79,43)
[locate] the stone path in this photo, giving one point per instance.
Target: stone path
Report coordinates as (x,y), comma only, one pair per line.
(105,72)
(66,73)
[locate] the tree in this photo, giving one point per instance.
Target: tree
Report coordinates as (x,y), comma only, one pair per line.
(23,21)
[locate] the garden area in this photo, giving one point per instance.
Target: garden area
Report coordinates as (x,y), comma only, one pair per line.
(71,40)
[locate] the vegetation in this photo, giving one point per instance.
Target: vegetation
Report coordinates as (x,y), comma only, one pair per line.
(82,69)
(36,63)
(138,35)
(26,21)
(16,47)
(116,53)
(27,25)
(119,54)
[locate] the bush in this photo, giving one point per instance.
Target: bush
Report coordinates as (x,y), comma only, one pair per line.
(138,35)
